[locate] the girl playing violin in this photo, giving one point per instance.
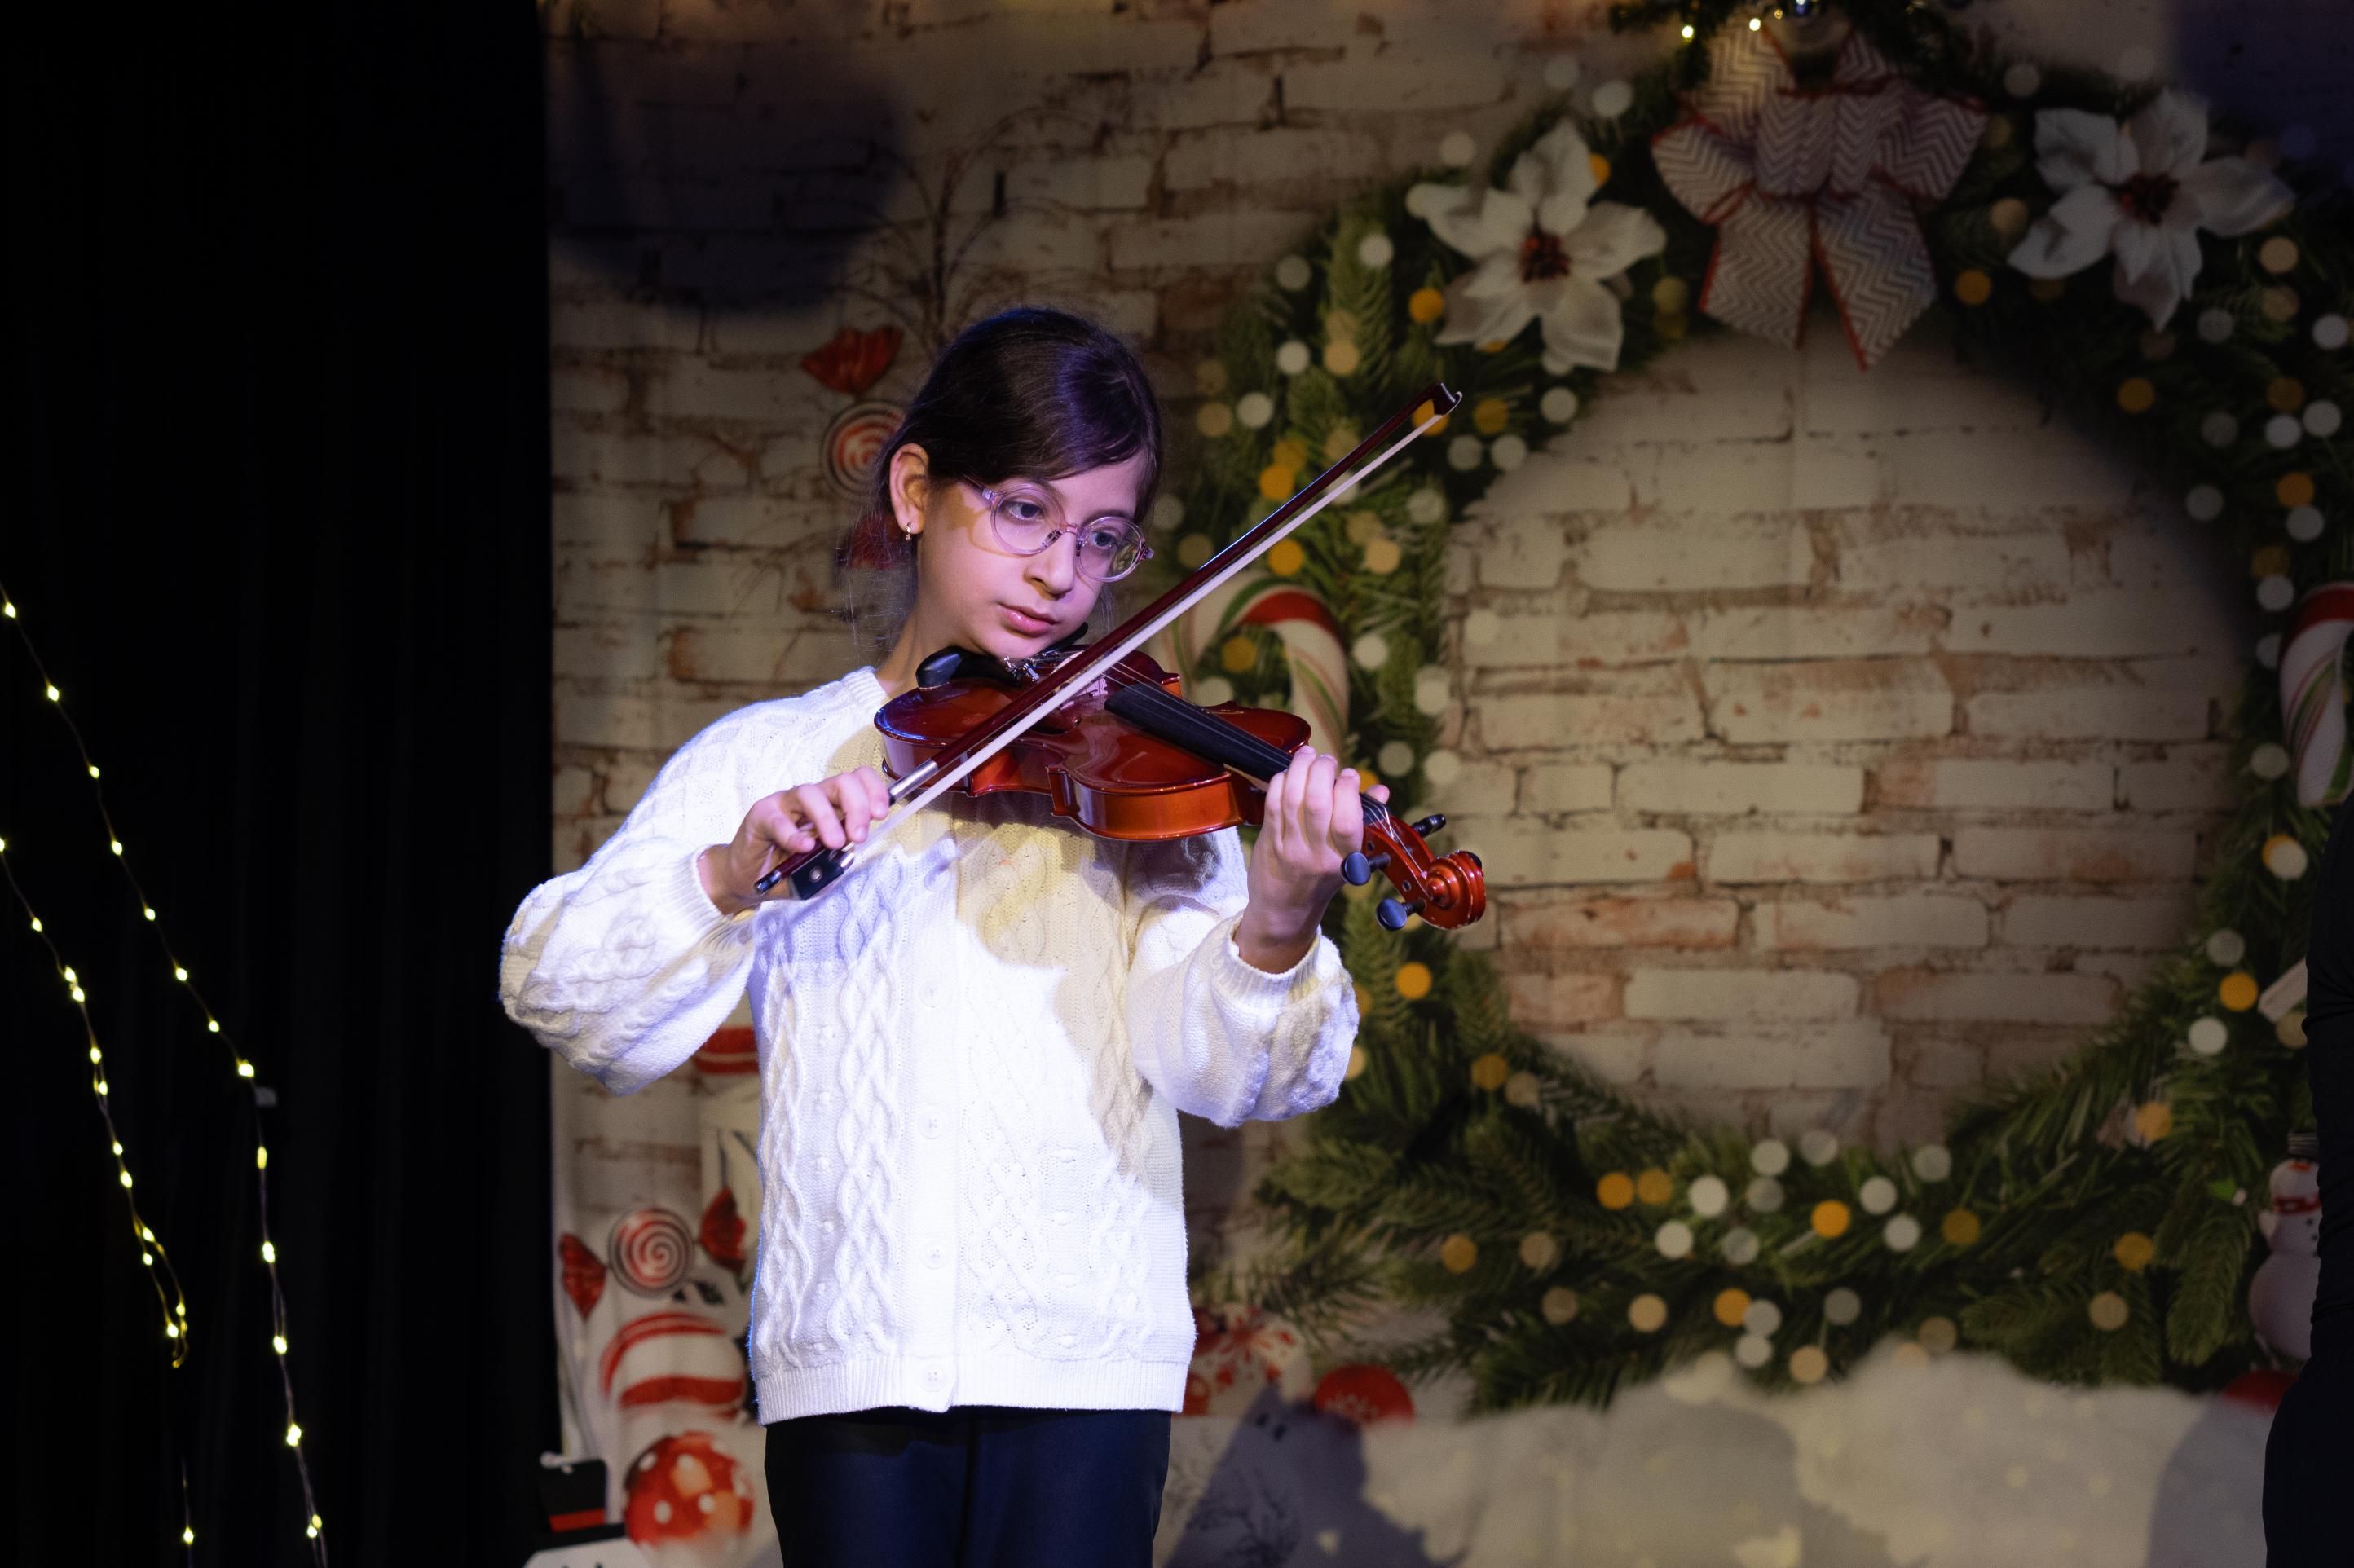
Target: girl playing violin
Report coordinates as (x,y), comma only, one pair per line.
(970,1321)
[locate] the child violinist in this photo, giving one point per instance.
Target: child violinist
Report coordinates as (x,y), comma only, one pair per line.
(969,1322)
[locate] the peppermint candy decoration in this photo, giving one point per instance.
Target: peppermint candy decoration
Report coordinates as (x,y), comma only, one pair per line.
(649,1250)
(673,1358)
(853,440)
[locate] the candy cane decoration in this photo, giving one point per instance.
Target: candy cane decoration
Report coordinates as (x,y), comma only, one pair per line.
(1313,655)
(2314,694)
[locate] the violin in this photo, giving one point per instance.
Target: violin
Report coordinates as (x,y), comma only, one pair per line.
(1130,757)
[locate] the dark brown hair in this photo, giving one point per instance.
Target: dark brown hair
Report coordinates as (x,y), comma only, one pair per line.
(1030,393)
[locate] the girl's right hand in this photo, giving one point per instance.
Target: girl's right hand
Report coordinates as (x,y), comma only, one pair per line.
(834,812)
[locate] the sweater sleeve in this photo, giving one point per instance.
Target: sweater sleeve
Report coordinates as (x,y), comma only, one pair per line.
(624,968)
(1222,1039)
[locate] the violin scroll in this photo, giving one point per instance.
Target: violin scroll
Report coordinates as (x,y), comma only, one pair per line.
(1447,891)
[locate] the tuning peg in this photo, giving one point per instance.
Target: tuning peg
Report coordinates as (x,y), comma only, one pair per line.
(1394,914)
(1357,869)
(1429,824)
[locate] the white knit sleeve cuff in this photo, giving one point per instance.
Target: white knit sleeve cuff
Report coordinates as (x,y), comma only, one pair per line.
(687,913)
(1265,994)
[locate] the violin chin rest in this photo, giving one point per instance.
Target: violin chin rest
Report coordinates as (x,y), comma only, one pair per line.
(940,668)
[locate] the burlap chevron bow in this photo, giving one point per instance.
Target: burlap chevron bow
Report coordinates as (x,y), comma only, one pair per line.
(1789,175)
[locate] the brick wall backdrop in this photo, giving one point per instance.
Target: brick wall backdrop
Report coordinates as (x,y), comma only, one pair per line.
(1834,741)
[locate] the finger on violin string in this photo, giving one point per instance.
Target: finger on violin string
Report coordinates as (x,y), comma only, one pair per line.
(1316,798)
(1271,816)
(1348,812)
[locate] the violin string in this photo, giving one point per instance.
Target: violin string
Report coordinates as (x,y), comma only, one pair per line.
(1187,715)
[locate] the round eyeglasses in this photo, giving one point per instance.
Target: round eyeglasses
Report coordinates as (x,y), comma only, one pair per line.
(1027,520)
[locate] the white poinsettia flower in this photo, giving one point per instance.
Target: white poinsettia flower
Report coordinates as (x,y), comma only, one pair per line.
(1544,250)
(2141,189)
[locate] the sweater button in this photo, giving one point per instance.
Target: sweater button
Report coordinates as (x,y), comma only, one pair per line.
(931,1124)
(936,1257)
(936,1379)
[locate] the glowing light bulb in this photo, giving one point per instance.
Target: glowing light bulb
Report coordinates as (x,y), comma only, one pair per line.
(245,1069)
(148,1258)
(37,922)
(293,1434)
(314,1530)
(101,1088)
(1755,24)
(171,1330)
(187,1537)
(114,845)
(70,976)
(144,1233)
(269,1252)
(93,1055)
(1688,29)
(278,1343)
(77,995)
(51,693)
(3,846)
(178,972)
(149,912)
(316,1524)
(93,770)
(261,1157)
(8,608)
(118,1154)
(126,1178)
(212,1025)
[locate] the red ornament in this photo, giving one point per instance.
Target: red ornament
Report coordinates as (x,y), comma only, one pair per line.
(1365,1394)
(2261,1388)
(728,1054)
(684,1490)
(876,543)
(722,1233)
(855,360)
(584,1272)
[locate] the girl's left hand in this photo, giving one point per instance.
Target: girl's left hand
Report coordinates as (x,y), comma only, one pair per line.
(1314,818)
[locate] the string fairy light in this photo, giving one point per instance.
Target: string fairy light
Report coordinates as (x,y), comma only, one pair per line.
(161,1277)
(175,1326)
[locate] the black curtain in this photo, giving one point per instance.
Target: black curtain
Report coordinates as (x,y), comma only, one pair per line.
(276,518)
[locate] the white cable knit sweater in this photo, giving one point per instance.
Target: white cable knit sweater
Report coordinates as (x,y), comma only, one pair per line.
(973,1052)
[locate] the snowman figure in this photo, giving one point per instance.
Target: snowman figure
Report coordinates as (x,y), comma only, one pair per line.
(2280,1298)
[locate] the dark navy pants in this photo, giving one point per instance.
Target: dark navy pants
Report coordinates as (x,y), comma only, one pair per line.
(975,1487)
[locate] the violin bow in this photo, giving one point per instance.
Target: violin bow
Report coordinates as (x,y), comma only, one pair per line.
(812,871)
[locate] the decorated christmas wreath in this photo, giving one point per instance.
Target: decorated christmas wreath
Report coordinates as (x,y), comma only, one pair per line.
(2174,283)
